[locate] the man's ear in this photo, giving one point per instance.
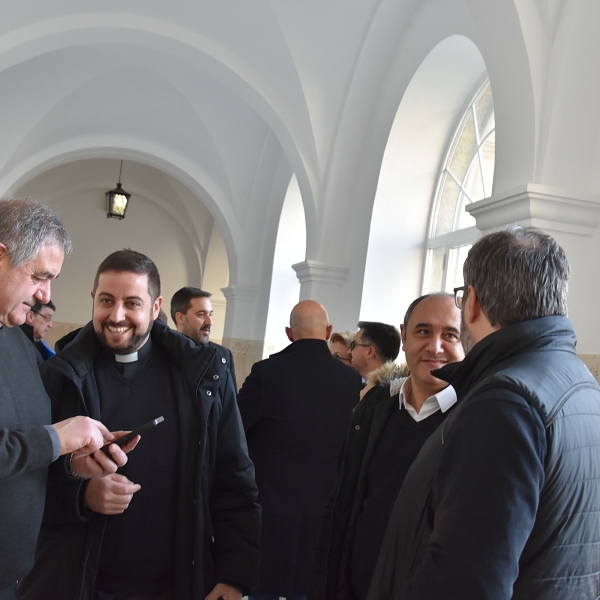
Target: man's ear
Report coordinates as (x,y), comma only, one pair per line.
(178,318)
(156,307)
(29,317)
(288,332)
(328,332)
(403,334)
(472,308)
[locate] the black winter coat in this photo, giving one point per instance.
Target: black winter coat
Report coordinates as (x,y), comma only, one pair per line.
(504,499)
(217,518)
(296,406)
(331,573)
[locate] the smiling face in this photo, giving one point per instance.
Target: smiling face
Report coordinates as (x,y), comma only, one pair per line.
(22,287)
(431,340)
(123,311)
(197,321)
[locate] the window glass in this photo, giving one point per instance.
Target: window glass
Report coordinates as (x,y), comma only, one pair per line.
(467,176)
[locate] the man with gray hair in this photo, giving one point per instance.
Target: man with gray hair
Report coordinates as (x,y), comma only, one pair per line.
(33,243)
(503,500)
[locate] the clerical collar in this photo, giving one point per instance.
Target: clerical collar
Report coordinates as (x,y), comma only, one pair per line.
(127,358)
(134,356)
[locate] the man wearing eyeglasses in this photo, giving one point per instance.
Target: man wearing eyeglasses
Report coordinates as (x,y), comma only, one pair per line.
(503,501)
(38,322)
(373,345)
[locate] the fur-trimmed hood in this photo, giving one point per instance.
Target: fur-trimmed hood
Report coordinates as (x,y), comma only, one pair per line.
(385,374)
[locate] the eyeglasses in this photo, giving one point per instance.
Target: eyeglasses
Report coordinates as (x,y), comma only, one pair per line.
(353,345)
(342,358)
(459,294)
(47,318)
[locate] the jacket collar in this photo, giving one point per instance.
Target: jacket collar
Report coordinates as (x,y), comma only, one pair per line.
(307,345)
(505,346)
(27,330)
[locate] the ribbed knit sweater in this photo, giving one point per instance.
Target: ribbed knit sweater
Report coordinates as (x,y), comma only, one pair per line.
(25,453)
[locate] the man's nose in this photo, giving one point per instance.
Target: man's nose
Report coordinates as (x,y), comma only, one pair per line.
(435,345)
(117,314)
(42,294)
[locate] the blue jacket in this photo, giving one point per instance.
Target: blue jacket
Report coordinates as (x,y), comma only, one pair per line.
(504,499)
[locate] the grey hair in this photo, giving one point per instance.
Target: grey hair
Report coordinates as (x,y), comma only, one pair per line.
(518,274)
(26,225)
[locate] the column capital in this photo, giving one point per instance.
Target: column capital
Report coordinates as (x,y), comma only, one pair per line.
(542,206)
(315,270)
(240,292)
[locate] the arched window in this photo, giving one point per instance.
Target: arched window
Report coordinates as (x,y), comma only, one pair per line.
(466,176)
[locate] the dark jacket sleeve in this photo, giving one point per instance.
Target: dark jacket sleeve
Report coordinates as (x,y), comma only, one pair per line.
(234,512)
(232,369)
(485,497)
(251,398)
(64,496)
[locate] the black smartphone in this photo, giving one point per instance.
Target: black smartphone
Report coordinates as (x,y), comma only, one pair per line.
(132,434)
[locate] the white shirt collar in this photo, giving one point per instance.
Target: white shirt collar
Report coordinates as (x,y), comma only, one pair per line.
(126,358)
(443,400)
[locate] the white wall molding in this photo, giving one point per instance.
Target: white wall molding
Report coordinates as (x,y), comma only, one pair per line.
(546,207)
(322,272)
(239,292)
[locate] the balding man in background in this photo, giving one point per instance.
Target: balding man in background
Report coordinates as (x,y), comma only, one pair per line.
(296,406)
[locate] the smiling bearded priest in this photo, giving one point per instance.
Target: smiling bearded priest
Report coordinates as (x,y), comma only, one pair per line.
(192,528)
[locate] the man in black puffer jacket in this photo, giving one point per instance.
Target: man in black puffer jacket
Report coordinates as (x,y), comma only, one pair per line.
(504,499)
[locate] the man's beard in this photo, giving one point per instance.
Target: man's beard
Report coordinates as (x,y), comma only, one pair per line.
(203,336)
(465,338)
(135,342)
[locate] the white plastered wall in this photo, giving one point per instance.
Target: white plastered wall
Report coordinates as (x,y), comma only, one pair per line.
(230,100)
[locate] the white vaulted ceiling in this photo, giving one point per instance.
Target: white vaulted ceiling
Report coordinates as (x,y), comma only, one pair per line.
(215,105)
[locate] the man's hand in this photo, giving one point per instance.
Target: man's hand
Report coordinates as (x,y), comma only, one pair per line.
(81,435)
(110,495)
(227,592)
(100,465)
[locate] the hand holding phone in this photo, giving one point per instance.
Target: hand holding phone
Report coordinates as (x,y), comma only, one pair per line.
(128,436)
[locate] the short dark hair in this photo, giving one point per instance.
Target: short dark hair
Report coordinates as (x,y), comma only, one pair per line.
(26,225)
(37,307)
(414,303)
(385,338)
(518,274)
(181,300)
(130,261)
